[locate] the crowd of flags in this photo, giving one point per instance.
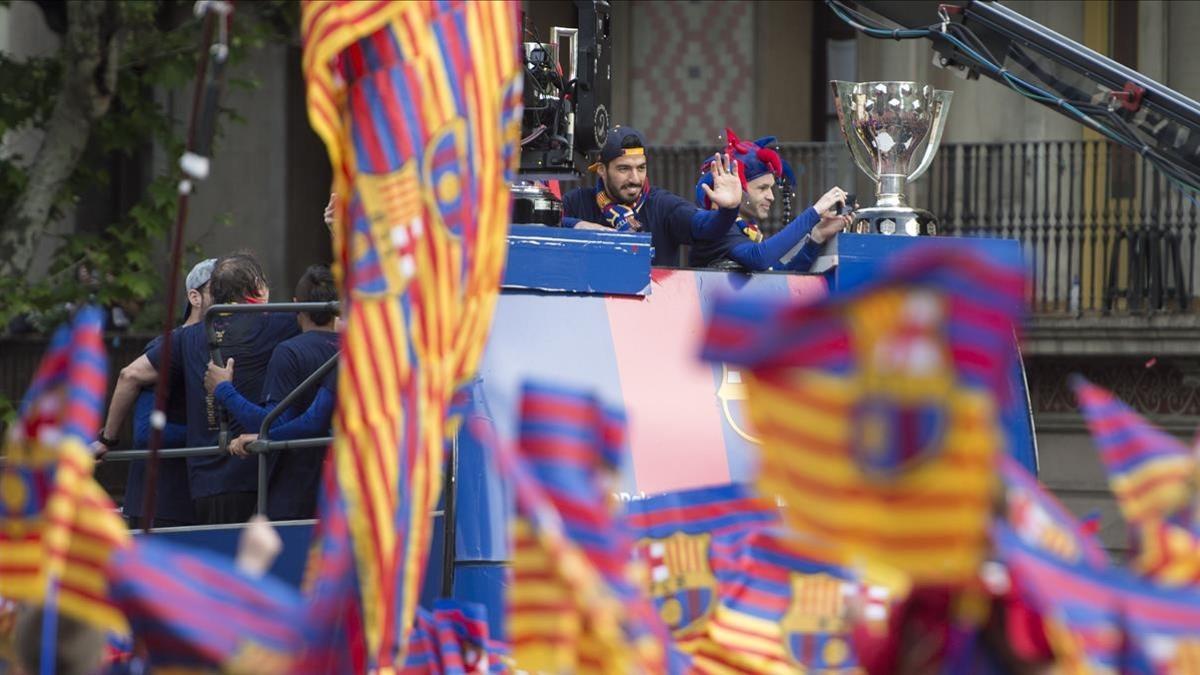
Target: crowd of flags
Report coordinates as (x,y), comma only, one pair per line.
(888,529)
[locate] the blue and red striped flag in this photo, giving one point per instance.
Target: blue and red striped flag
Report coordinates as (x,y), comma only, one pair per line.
(1080,606)
(574,605)
(332,612)
(193,609)
(687,540)
(1161,628)
(58,528)
(453,639)
(418,104)
(879,407)
(1151,473)
(1043,523)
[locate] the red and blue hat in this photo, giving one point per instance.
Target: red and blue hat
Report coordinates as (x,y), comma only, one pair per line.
(754,159)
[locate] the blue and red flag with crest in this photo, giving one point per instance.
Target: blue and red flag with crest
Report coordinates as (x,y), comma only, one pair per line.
(787,605)
(58,527)
(1043,523)
(1080,606)
(688,540)
(879,407)
(418,104)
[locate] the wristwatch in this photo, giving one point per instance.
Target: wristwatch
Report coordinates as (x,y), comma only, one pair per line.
(106,442)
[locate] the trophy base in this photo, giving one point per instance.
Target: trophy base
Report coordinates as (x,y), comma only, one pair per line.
(899,220)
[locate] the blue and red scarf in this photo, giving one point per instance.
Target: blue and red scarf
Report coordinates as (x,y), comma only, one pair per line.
(621,217)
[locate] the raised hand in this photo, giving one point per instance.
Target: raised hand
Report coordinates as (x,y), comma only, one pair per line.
(830,199)
(726,190)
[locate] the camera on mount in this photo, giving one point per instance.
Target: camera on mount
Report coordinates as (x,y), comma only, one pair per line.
(566,109)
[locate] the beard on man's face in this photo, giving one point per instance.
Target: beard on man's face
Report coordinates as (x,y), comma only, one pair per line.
(628,193)
(625,192)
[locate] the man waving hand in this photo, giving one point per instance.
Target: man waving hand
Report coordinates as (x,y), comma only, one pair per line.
(623,200)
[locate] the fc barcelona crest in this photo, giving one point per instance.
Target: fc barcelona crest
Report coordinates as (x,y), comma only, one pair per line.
(906,377)
(682,584)
(815,628)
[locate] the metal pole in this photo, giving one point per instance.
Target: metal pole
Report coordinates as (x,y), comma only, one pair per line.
(209,450)
(449,514)
(261,507)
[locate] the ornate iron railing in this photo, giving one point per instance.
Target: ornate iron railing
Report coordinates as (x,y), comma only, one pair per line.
(1103,232)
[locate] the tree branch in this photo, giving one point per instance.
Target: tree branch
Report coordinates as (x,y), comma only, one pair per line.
(90,57)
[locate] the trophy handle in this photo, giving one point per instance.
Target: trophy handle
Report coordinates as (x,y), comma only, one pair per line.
(843,95)
(942,101)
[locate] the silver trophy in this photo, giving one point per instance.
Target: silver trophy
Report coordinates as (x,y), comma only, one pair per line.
(886,124)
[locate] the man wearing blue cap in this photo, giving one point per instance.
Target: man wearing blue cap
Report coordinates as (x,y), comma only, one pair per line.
(795,247)
(623,200)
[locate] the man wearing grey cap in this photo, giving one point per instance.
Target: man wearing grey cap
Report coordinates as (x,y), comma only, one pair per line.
(135,389)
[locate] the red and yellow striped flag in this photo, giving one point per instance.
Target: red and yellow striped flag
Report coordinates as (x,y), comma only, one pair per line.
(58,527)
(418,104)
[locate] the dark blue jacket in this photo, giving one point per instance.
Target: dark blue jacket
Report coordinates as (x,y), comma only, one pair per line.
(671,220)
(766,254)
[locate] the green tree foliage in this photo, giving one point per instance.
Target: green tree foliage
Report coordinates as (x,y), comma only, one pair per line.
(156,45)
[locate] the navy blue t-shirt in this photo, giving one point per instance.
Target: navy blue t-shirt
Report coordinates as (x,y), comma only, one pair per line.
(295,475)
(293,361)
(249,339)
(172,498)
(672,220)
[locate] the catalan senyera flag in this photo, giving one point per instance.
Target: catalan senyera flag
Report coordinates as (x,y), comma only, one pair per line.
(1151,473)
(574,604)
(418,104)
(193,609)
(687,540)
(878,407)
(58,528)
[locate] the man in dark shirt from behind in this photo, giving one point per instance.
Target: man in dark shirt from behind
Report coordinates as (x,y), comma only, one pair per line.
(294,475)
(624,201)
(172,497)
(224,487)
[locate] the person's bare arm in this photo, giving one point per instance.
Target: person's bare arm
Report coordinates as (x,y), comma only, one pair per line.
(588,225)
(133,377)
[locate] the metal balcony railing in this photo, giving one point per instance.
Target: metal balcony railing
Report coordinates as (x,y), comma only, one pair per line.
(1103,232)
